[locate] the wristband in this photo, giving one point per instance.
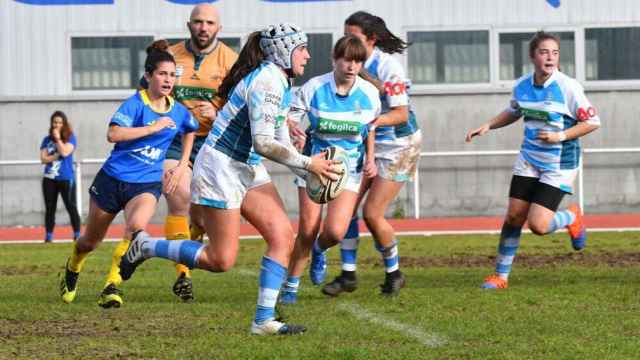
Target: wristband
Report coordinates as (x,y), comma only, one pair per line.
(562,136)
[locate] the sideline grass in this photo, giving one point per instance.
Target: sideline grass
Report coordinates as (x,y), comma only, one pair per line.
(560,305)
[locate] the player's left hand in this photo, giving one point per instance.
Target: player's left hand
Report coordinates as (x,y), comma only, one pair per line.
(549,137)
(171,177)
(206,110)
(298,137)
(55,133)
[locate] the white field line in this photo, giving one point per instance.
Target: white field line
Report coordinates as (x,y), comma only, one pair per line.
(399,233)
(428,339)
(245,272)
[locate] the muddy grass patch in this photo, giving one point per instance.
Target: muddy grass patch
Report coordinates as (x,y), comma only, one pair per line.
(523,260)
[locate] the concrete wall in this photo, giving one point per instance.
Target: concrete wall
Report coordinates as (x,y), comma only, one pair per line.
(448,186)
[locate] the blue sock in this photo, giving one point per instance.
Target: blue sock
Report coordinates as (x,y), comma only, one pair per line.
(181,251)
(272,276)
(349,246)
(292,284)
(560,220)
(48,236)
(390,256)
(76,235)
(509,243)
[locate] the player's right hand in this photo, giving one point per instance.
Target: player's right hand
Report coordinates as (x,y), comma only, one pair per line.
(325,169)
(477,132)
(161,123)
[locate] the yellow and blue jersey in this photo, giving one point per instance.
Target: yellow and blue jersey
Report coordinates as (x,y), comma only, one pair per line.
(555,106)
(140,160)
(61,169)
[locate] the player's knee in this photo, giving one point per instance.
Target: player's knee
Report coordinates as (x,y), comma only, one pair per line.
(371,217)
(87,244)
(538,227)
(515,219)
(332,235)
(223,264)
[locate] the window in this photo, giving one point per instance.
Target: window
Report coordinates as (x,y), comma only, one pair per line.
(444,57)
(612,54)
(107,62)
(514,54)
(232,42)
(320,48)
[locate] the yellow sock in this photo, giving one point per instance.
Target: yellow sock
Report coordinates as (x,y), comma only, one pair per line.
(197,233)
(114,273)
(76,261)
(177,228)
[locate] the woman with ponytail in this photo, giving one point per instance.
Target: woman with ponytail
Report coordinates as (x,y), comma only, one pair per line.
(230,180)
(131,179)
(397,150)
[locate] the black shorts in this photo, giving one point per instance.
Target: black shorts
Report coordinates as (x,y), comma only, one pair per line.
(175,149)
(112,195)
(531,190)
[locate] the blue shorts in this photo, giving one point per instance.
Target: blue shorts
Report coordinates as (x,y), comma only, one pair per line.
(112,195)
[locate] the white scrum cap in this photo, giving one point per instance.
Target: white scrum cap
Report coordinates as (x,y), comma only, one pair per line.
(278,42)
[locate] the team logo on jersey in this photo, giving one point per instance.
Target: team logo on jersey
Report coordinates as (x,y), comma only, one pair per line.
(585,114)
(338,127)
(395,88)
(182,93)
(195,76)
(123,118)
(358,109)
(148,154)
(533,114)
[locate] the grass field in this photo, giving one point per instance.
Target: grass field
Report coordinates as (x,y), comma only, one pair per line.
(560,305)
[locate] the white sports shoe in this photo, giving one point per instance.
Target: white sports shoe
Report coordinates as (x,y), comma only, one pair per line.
(134,256)
(273,327)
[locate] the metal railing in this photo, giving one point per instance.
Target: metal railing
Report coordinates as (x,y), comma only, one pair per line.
(580,175)
(416,182)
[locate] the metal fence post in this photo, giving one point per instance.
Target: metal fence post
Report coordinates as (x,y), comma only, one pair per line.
(416,192)
(79,188)
(581,185)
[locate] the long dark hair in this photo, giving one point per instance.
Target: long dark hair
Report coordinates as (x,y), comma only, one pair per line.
(157,52)
(249,59)
(66,131)
(374,26)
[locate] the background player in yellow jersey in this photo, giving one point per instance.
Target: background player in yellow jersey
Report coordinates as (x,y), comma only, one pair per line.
(202,61)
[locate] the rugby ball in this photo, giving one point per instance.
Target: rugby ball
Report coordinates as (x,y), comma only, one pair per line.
(324,190)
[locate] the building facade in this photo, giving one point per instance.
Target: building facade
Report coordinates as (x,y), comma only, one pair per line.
(85,56)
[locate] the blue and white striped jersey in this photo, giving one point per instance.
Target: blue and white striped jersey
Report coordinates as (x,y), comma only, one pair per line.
(555,106)
(260,98)
(385,68)
(336,120)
